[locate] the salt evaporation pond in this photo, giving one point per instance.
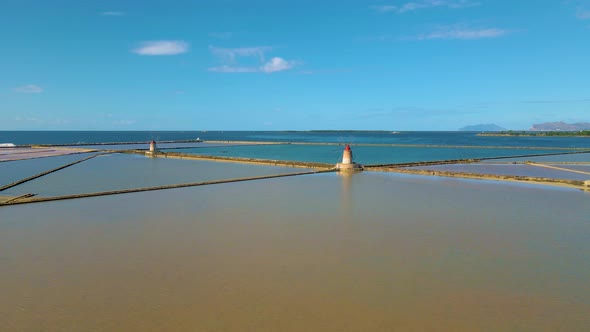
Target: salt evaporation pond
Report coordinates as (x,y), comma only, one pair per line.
(368,252)
(127,171)
(363,154)
(507,169)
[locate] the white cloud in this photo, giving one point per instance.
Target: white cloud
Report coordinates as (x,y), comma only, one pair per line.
(31,88)
(276,64)
(162,47)
(455,32)
(229,58)
(424,4)
(230,54)
(583,14)
(112,13)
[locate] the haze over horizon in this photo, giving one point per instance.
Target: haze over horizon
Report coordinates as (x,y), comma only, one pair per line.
(293,65)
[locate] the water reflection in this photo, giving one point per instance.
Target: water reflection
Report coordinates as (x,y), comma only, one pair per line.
(346,199)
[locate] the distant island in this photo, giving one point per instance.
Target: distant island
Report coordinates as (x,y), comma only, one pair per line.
(582,133)
(482,127)
(546,129)
(560,126)
(343,131)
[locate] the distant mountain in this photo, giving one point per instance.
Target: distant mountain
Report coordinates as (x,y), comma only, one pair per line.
(560,126)
(482,127)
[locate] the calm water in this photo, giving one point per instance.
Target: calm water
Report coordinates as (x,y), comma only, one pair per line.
(439,138)
(371,252)
(145,146)
(123,171)
(575,157)
(508,169)
(583,168)
(12,171)
(332,154)
(367,252)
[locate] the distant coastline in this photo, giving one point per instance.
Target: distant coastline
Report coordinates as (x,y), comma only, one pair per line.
(583,133)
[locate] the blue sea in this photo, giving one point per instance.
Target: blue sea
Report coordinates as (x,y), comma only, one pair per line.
(353,137)
(370,147)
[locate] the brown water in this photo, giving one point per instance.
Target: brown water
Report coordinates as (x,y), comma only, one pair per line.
(371,252)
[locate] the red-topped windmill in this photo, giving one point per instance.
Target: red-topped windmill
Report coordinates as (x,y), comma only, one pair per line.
(347,163)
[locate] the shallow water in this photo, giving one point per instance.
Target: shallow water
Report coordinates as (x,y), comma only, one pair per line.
(574,157)
(508,169)
(368,252)
(583,168)
(125,171)
(362,154)
(145,146)
(11,171)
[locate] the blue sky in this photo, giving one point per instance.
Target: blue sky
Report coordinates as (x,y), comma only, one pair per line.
(292,65)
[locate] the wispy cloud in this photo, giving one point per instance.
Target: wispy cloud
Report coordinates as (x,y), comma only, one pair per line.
(162,47)
(277,64)
(423,4)
(31,88)
(229,58)
(461,32)
(230,54)
(583,14)
(221,35)
(112,13)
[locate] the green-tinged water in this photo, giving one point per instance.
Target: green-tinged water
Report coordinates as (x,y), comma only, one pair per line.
(362,154)
(368,252)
